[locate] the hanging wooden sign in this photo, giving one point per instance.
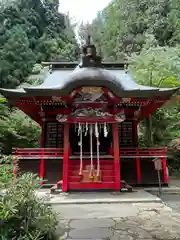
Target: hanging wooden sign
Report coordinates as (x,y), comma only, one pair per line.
(157,164)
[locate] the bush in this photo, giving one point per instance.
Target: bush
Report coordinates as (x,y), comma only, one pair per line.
(6,171)
(174,157)
(25,216)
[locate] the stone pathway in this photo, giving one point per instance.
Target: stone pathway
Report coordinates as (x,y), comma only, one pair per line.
(172,200)
(150,221)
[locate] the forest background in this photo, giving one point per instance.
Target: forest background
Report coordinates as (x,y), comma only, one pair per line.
(146,33)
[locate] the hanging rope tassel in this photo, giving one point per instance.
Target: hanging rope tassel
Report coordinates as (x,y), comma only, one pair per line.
(80,144)
(86,130)
(105,130)
(97,140)
(91,152)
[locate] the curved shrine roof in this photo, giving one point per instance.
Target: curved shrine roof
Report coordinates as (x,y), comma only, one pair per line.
(63,80)
(65,77)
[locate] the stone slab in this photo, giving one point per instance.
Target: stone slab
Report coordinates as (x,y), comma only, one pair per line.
(172,189)
(140,196)
(91,233)
(91,223)
(90,211)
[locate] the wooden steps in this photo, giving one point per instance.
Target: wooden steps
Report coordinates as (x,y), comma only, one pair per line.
(107,179)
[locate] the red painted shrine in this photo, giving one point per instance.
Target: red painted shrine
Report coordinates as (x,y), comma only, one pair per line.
(89,114)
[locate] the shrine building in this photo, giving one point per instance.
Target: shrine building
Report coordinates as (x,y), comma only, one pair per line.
(89,114)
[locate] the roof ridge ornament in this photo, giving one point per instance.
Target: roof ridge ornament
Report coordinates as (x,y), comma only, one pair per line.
(89,55)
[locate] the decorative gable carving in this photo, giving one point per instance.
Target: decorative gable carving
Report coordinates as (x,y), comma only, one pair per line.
(90,95)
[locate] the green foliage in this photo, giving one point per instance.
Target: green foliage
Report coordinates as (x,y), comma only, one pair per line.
(17,51)
(156,66)
(24,215)
(121,28)
(16,129)
(30,32)
(6,171)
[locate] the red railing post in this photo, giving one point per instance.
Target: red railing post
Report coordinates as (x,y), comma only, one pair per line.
(116,156)
(164,164)
(42,166)
(42,154)
(138,166)
(66,158)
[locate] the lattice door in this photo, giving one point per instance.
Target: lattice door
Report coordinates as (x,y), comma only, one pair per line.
(54,135)
(126,134)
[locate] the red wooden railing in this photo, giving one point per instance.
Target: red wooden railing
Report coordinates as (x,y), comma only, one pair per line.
(137,153)
(38,152)
(150,152)
(58,152)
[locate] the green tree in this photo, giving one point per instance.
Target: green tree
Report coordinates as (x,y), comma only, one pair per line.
(158,67)
(16,58)
(120,29)
(32,31)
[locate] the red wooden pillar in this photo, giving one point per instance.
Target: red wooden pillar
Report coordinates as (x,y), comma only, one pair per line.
(41,173)
(116,155)
(66,158)
(138,166)
(164,164)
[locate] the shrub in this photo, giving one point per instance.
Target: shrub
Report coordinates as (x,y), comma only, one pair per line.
(6,171)
(174,157)
(25,216)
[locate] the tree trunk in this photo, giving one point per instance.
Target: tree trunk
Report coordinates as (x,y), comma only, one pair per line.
(148,133)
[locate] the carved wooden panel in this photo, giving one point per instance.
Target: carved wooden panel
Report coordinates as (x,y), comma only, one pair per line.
(90,97)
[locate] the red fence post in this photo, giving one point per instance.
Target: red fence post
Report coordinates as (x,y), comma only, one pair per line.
(138,166)
(42,166)
(42,154)
(116,156)
(164,163)
(66,158)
